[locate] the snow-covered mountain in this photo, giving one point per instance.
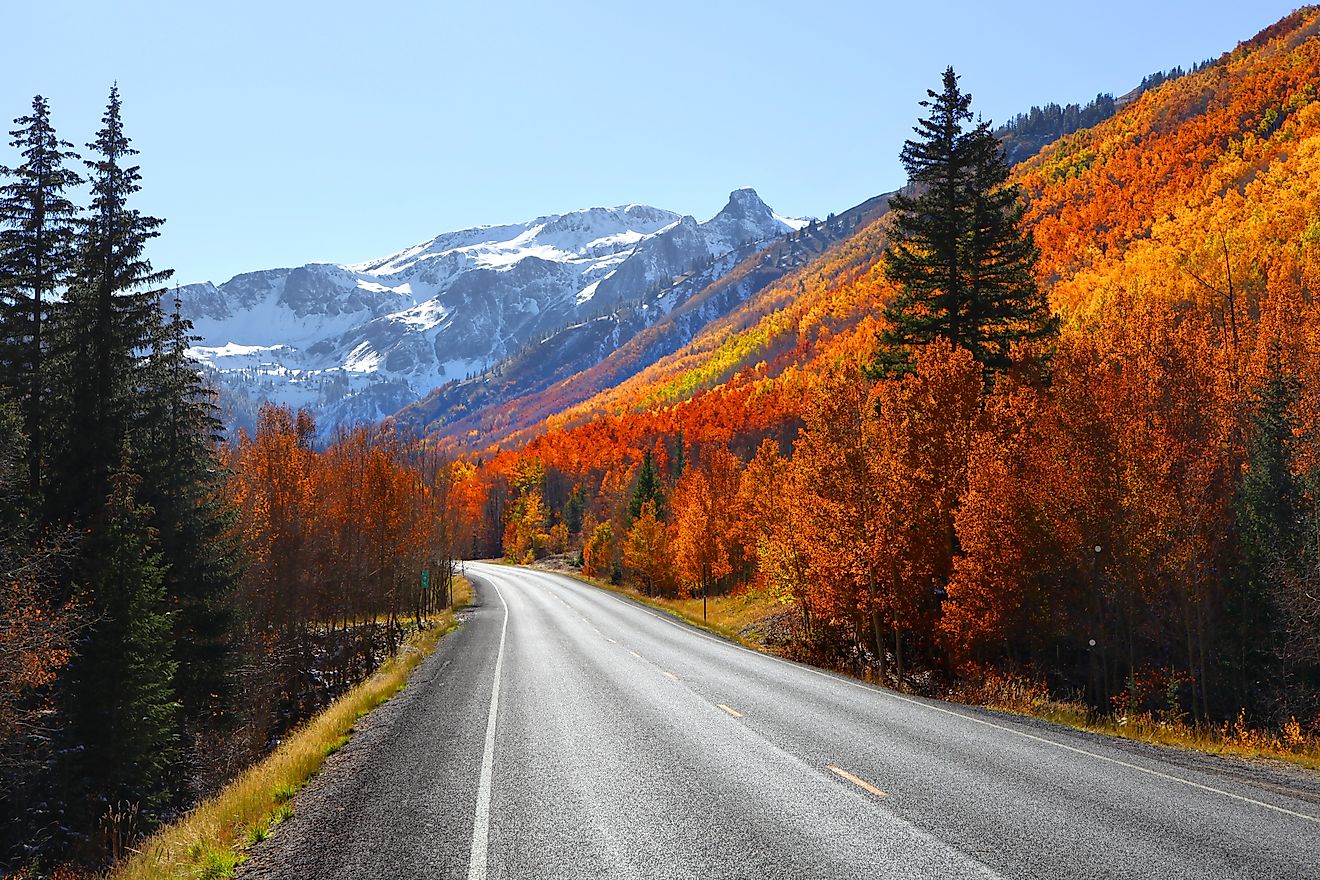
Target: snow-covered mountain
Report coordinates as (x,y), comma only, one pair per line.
(356,342)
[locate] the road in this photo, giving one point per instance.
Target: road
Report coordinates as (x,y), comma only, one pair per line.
(566,732)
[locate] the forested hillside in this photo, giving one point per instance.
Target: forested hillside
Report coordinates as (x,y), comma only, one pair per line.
(1130,513)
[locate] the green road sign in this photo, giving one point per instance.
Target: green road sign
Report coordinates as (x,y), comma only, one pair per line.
(426,579)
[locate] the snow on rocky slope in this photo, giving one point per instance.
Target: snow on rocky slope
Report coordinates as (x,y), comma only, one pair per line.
(356,342)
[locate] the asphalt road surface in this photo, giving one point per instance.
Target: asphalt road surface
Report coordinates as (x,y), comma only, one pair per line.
(566,732)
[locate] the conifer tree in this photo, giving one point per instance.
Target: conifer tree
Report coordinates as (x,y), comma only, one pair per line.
(125,713)
(37,226)
(109,320)
(647,488)
(120,696)
(1271,510)
(678,461)
(176,452)
(956,250)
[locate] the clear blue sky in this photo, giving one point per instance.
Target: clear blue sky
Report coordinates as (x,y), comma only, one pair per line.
(276,133)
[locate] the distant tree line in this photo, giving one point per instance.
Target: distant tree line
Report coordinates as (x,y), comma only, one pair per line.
(1026,134)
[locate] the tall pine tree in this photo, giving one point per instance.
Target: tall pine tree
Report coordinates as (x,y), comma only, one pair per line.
(1273,605)
(646,489)
(121,682)
(962,263)
(37,227)
(176,451)
(109,321)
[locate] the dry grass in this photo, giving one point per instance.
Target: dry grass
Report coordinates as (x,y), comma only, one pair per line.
(209,842)
(1021,696)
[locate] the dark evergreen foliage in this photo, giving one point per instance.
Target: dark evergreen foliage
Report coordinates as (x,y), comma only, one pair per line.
(1276,518)
(678,461)
(1028,133)
(125,717)
(957,252)
(175,451)
(647,488)
(37,226)
(130,462)
(574,507)
(109,321)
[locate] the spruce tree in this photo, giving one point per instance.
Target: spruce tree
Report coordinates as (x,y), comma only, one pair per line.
(956,250)
(176,451)
(37,226)
(109,320)
(121,694)
(1271,508)
(678,462)
(125,715)
(647,488)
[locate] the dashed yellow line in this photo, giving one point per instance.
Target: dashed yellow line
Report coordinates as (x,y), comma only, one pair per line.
(732,711)
(670,675)
(634,653)
(857,781)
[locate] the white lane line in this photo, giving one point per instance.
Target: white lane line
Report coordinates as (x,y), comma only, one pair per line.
(481,821)
(1021,733)
(857,781)
(734,712)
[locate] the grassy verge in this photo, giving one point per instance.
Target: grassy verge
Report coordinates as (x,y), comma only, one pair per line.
(728,616)
(210,841)
(1238,739)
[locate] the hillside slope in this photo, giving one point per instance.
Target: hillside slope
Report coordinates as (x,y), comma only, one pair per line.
(585,358)
(1208,180)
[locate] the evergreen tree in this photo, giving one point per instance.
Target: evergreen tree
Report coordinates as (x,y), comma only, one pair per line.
(125,713)
(37,225)
(956,250)
(176,451)
(120,698)
(678,461)
(109,320)
(574,507)
(1271,511)
(647,488)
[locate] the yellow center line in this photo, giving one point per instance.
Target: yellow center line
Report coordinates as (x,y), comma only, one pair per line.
(610,640)
(857,781)
(734,712)
(634,653)
(670,675)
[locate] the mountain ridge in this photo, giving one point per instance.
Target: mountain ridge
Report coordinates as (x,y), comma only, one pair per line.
(358,341)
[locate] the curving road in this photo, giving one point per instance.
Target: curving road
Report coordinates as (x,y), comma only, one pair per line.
(566,732)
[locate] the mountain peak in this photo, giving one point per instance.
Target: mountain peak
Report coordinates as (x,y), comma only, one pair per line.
(745,204)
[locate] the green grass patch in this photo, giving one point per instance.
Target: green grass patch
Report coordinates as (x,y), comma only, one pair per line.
(211,840)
